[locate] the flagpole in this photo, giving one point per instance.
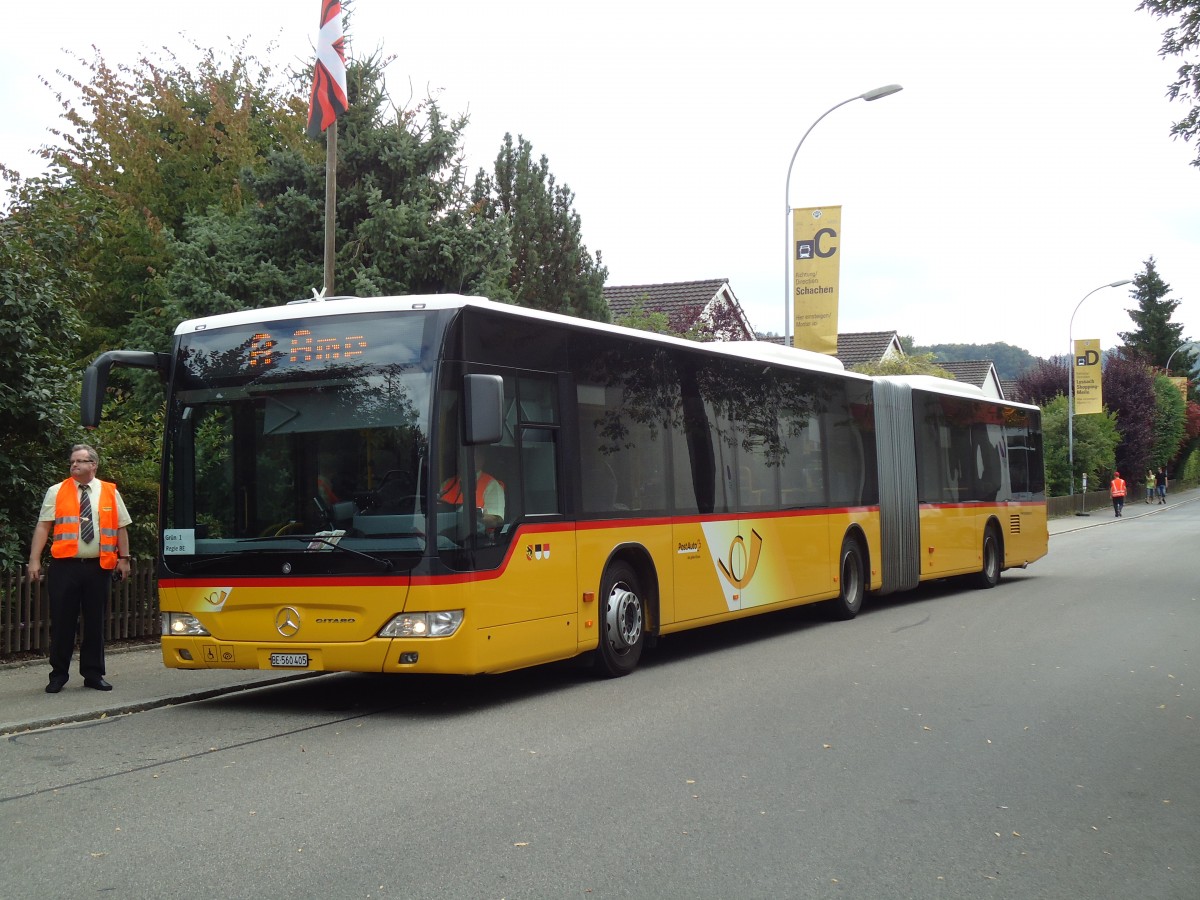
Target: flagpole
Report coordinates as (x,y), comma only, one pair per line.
(326,103)
(330,203)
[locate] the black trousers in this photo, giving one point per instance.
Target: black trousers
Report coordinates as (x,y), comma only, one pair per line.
(78,591)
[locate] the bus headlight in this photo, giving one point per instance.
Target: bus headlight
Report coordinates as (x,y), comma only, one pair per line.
(429,624)
(182,624)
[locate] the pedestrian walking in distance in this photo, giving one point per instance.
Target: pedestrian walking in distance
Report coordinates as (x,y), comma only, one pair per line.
(1116,490)
(1160,484)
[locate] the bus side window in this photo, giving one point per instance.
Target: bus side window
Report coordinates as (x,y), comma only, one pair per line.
(539,468)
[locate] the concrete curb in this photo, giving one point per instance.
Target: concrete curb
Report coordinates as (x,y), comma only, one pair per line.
(10,729)
(1100,518)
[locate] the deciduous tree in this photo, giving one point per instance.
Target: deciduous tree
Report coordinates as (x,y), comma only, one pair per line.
(1182,40)
(1096,439)
(38,393)
(1042,382)
(404,223)
(1010,362)
(645,320)
(916,364)
(149,145)
(1170,422)
(1127,385)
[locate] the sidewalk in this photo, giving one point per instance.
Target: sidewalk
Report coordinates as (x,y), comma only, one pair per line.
(1135,508)
(140,680)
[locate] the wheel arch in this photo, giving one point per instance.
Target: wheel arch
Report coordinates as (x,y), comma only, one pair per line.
(855,533)
(993,522)
(639,559)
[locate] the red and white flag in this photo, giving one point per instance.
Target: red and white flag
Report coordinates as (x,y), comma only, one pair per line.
(328,99)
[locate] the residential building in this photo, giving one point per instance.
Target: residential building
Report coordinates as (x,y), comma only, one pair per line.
(686,304)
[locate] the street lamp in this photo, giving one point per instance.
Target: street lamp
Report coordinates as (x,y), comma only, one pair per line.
(1167,367)
(787,203)
(1071,382)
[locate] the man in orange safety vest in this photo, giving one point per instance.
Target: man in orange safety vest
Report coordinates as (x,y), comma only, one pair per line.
(489,494)
(1116,489)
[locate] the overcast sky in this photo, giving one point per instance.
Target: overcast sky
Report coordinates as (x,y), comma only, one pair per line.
(1027,160)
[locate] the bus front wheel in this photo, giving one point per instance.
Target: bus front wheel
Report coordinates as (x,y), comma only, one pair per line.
(622,621)
(989,575)
(851,580)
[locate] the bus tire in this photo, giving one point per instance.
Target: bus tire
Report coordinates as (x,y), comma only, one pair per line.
(852,585)
(989,576)
(622,621)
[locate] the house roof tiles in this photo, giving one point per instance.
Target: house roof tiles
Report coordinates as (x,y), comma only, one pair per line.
(979,372)
(858,347)
(674,297)
(682,301)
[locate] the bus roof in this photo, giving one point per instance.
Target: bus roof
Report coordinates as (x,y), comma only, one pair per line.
(937,385)
(324,306)
(759,351)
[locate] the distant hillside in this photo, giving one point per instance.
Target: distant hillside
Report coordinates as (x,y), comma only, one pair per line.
(1010,361)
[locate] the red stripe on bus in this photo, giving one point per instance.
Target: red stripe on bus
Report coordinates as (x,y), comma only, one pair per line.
(492,574)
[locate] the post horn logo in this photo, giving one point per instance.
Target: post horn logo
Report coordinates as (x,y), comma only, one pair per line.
(742,564)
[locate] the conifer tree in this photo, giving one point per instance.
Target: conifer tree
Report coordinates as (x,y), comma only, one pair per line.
(1156,337)
(551,269)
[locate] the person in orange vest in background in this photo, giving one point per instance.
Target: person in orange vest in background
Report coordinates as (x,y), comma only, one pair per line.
(1116,488)
(489,494)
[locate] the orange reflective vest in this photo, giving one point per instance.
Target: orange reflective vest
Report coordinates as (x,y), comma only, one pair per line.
(452,490)
(66,522)
(1118,487)
(325,491)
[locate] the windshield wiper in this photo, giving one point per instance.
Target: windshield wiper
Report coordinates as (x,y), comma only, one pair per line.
(385,564)
(200,563)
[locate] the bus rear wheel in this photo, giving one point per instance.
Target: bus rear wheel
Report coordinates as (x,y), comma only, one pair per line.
(852,583)
(622,621)
(989,575)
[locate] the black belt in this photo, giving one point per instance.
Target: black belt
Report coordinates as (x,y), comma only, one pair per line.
(75,559)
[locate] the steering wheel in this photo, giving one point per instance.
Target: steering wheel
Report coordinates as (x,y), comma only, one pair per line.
(323,511)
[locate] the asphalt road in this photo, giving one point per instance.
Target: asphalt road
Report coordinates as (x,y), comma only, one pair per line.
(1039,740)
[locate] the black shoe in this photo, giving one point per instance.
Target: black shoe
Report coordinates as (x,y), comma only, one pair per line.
(97,684)
(54,687)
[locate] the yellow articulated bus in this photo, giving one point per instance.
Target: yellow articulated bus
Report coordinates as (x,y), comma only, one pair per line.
(446,484)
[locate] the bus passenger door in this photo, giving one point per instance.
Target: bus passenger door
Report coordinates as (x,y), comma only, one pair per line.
(542,559)
(513,539)
(545,553)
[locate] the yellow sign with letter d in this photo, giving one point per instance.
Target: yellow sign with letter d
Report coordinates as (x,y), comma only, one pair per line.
(1088,397)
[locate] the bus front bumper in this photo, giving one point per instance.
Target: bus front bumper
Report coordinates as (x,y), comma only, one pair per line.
(426,655)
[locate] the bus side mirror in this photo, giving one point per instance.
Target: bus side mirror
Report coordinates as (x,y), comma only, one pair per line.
(484,407)
(95,378)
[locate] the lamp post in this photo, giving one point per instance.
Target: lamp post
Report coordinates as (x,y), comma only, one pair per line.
(1167,367)
(1071,381)
(787,203)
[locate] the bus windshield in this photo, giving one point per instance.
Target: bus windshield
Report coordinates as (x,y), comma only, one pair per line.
(307,437)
